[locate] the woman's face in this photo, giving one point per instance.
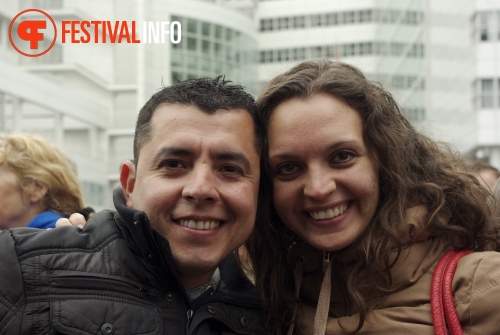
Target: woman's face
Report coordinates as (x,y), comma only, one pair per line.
(325,181)
(15,208)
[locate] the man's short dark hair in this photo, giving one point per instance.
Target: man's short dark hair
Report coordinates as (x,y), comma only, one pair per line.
(207,94)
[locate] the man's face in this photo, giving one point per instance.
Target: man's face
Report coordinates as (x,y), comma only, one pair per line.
(197,180)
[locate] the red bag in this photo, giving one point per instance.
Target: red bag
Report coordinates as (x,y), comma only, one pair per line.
(444,314)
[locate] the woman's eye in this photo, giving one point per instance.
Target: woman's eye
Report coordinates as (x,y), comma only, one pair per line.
(343,156)
(286,169)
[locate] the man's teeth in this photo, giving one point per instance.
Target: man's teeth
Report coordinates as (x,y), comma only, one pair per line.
(329,213)
(202,225)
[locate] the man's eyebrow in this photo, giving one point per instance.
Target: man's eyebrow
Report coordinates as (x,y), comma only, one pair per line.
(183,152)
(171,151)
(234,156)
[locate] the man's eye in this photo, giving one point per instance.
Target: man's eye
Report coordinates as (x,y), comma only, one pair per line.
(172,165)
(287,169)
(231,169)
(343,156)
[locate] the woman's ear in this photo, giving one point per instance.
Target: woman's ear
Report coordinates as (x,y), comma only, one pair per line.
(36,192)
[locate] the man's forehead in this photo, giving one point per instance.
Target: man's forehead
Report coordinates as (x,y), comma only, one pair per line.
(177,117)
(188,127)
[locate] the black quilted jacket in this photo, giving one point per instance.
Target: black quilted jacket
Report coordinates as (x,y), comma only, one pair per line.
(116,276)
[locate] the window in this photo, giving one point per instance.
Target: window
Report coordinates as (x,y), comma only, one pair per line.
(93,193)
(283,23)
(177,59)
(316,20)
(205,28)
(497,25)
(192,26)
(331,19)
(366,16)
(205,64)
(205,47)
(498,91)
(218,32)
(218,50)
(487,93)
(483,26)
(299,22)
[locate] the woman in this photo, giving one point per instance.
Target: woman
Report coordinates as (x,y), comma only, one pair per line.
(364,206)
(37,183)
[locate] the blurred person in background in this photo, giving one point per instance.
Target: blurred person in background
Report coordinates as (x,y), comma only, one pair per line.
(38,184)
(486,174)
(496,190)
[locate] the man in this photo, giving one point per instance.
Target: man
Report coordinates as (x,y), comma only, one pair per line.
(162,263)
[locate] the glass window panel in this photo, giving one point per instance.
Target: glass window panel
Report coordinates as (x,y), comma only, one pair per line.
(332,19)
(315,20)
(487,93)
(218,32)
(177,18)
(205,28)
(497,22)
(349,17)
(218,67)
(299,22)
(177,76)
(191,43)
(264,56)
(205,47)
(483,26)
(192,62)
(205,64)
(218,49)
(177,59)
(498,92)
(192,26)
(341,17)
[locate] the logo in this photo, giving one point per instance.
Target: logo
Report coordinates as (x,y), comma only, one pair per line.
(33,32)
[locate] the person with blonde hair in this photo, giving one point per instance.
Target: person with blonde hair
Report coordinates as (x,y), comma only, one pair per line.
(38,184)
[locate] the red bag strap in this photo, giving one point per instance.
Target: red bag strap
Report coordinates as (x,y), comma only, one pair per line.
(443,309)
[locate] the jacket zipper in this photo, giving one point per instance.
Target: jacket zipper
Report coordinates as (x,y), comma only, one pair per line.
(189,317)
(326,260)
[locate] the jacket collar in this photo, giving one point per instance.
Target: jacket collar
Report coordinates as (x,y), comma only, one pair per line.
(414,262)
(142,238)
(153,247)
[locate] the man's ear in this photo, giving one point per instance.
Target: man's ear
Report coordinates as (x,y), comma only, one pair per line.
(127,180)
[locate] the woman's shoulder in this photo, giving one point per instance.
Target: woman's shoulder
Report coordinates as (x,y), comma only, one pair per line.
(478,262)
(478,271)
(476,287)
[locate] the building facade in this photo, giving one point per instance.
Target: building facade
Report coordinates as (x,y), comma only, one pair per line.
(437,57)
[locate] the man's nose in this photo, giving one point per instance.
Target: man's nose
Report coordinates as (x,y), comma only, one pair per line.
(201,185)
(319,183)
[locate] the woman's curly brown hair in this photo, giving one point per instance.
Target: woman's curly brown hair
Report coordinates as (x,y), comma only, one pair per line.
(413,170)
